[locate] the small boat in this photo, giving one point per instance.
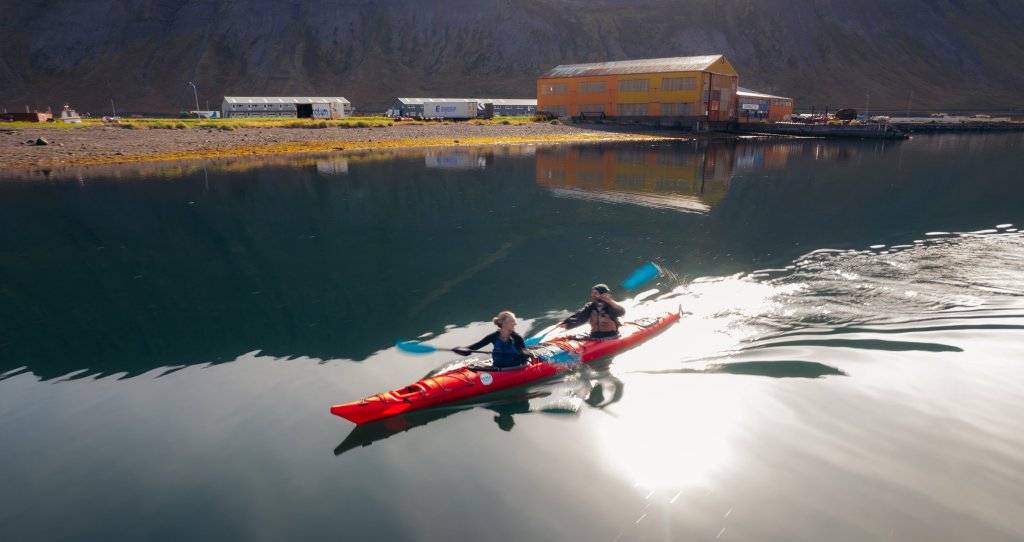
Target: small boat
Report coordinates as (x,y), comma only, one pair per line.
(479,377)
(69,115)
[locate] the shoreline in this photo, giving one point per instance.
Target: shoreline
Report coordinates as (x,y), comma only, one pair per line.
(107,145)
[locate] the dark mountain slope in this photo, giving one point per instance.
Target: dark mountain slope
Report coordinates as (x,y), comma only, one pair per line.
(930,53)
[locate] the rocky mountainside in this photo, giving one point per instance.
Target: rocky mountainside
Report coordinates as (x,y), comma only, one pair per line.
(925,54)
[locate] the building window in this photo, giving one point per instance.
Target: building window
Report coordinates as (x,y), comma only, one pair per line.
(679,83)
(629,181)
(678,186)
(679,109)
(594,87)
(555,88)
(674,158)
(591,108)
(626,156)
(590,154)
(634,85)
(726,98)
(553,175)
(632,110)
(557,110)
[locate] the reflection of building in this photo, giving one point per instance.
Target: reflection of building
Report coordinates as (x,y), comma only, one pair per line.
(675,178)
(457,160)
(778,153)
(332,166)
(758,107)
(681,89)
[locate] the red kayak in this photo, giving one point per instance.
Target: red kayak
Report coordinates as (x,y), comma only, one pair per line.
(479,378)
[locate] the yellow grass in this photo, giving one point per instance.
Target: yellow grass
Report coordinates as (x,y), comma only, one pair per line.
(307,147)
(327,145)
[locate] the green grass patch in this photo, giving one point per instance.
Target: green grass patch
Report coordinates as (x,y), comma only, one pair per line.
(234,124)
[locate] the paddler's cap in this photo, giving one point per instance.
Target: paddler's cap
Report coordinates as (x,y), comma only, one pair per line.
(601,288)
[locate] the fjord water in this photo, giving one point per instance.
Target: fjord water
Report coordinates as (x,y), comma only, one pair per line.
(849,367)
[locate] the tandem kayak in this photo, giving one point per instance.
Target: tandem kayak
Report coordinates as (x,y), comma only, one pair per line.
(480,378)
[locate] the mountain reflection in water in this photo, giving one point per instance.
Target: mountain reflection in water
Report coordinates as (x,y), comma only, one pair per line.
(130,270)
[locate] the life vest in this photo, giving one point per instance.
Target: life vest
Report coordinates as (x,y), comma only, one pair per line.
(601,320)
(504,353)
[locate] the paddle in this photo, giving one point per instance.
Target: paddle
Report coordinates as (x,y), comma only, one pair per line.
(640,276)
(416,347)
(536,339)
(643,274)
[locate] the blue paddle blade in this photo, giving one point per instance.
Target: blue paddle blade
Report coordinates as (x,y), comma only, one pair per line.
(645,273)
(564,357)
(536,339)
(415,347)
(560,357)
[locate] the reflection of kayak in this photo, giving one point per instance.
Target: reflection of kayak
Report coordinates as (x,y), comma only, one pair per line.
(474,380)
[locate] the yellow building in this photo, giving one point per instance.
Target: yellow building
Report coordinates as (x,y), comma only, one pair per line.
(672,88)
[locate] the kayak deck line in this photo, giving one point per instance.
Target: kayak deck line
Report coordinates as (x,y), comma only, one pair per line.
(475,379)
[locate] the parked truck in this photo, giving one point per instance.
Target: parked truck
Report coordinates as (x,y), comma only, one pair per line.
(449,109)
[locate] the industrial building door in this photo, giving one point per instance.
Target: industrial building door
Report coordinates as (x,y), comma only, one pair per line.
(304,111)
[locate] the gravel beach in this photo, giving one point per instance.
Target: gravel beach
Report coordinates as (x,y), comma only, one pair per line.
(111,145)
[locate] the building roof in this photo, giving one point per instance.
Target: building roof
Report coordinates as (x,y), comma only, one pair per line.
(282,99)
(747,93)
(496,101)
(628,67)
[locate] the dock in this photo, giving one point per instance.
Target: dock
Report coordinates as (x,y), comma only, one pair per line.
(853,131)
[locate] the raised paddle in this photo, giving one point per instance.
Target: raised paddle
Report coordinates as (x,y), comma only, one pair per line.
(643,274)
(536,339)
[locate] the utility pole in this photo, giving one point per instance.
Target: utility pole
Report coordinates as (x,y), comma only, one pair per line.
(112,110)
(195,93)
(867,105)
(909,100)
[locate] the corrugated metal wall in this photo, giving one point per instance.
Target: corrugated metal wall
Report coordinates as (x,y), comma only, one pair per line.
(673,94)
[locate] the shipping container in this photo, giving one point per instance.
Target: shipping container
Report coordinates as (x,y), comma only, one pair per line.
(449,109)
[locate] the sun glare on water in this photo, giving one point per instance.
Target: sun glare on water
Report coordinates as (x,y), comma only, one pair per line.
(673,433)
(674,429)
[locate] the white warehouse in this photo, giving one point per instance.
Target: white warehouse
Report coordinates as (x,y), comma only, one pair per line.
(302,107)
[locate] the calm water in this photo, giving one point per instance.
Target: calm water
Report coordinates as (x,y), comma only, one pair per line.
(171,339)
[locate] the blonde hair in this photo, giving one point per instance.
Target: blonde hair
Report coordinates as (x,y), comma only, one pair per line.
(501,317)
